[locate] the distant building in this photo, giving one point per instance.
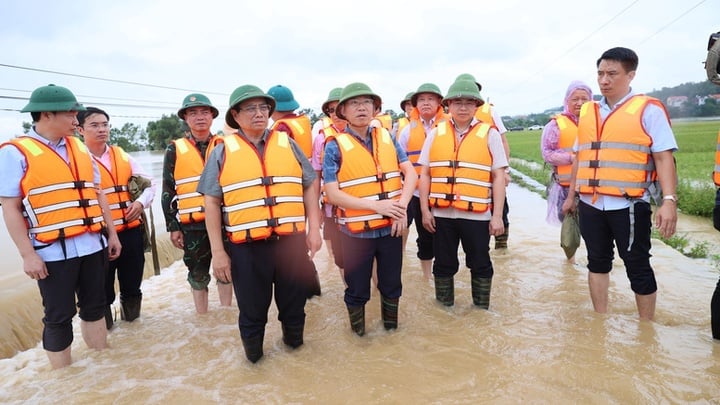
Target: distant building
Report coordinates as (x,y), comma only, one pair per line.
(676,101)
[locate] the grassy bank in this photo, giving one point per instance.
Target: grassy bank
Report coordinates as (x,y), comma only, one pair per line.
(695,161)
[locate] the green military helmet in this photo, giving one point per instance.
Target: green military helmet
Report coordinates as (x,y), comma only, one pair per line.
(426,88)
(196,100)
(357,89)
(52,98)
(408,97)
(242,93)
(284,98)
(463,89)
(334,95)
(468,76)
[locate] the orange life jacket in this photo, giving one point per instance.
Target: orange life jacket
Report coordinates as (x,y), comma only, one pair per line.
(59,198)
(566,141)
(300,131)
(461,173)
(370,175)
(418,135)
(114,183)
(261,196)
(614,157)
(329,131)
(484,114)
(189,166)
(386,120)
(402,122)
(716,172)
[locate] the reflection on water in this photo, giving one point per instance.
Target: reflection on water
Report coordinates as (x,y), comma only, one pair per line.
(540,342)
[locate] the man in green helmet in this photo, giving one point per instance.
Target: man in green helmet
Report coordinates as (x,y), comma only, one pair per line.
(183,207)
(261,191)
(54,211)
(427,111)
(363,170)
(462,180)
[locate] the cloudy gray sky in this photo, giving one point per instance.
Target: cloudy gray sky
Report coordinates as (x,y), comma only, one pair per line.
(150,54)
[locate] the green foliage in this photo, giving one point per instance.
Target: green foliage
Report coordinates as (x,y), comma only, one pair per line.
(130,137)
(26,127)
(160,133)
(700,250)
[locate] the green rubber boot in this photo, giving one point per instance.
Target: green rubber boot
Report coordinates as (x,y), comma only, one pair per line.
(389,311)
(357,319)
(501,241)
(445,290)
(481,292)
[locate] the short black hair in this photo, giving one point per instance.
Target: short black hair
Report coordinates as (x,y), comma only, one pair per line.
(82,115)
(627,58)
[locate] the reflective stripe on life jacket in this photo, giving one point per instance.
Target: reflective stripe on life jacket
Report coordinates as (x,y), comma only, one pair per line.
(300,132)
(189,166)
(369,175)
(461,173)
(566,140)
(114,183)
(261,196)
(59,197)
(614,157)
(418,135)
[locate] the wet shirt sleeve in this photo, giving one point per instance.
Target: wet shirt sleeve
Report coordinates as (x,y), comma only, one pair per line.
(331,162)
(12,167)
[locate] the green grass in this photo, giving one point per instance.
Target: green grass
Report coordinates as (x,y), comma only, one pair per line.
(695,158)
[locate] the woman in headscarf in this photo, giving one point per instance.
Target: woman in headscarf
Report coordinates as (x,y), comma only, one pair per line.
(558,138)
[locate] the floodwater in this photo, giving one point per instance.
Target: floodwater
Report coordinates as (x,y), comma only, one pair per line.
(540,342)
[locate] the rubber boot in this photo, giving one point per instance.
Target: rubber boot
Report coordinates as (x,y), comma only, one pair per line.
(130,308)
(108,317)
(501,241)
(445,290)
(389,311)
(253,347)
(357,319)
(481,292)
(293,335)
(314,285)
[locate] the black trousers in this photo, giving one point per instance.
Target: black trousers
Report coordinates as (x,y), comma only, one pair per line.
(129,266)
(425,239)
(278,265)
(475,239)
(84,276)
(600,229)
(359,254)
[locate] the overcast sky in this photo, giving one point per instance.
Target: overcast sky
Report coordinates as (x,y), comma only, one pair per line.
(524,53)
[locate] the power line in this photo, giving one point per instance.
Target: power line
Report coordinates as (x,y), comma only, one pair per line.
(110,80)
(104,104)
(672,22)
(572,48)
(100,97)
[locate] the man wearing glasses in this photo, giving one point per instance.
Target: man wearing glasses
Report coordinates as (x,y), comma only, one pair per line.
(184,208)
(463,181)
(261,192)
(363,169)
(116,168)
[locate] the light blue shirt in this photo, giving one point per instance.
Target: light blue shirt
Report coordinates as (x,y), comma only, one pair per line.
(13,166)
(656,124)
